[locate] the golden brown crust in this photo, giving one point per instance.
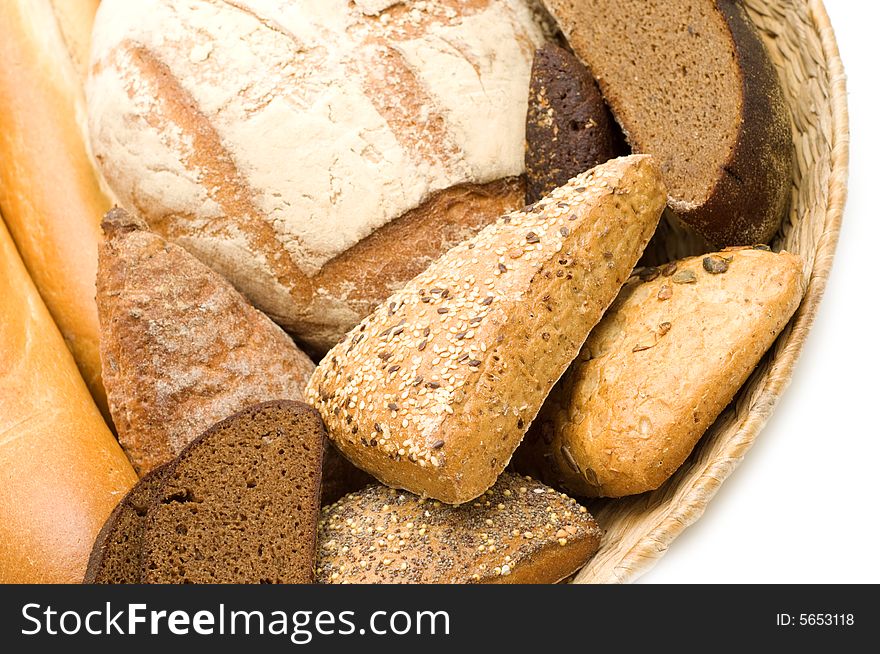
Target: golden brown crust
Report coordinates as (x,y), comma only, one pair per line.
(519,531)
(49,190)
(435,389)
(668,356)
(181,348)
(63,471)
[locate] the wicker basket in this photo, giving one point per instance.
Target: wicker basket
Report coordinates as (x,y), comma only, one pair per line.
(801,44)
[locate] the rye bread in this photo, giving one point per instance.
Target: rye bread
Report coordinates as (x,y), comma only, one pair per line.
(240,504)
(116,554)
(569,128)
(691,83)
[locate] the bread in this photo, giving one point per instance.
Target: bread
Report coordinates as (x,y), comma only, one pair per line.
(518,532)
(691,83)
(49,191)
(240,504)
(434,390)
(568,127)
(310,150)
(669,355)
(61,470)
(116,554)
(339,477)
(181,347)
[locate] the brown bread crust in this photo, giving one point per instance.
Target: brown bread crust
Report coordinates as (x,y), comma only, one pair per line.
(568,126)
(752,177)
(116,554)
(434,391)
(518,532)
(181,348)
(241,502)
(668,356)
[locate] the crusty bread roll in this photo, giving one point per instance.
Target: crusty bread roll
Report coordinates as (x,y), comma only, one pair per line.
(49,191)
(317,153)
(518,532)
(181,348)
(435,389)
(668,356)
(61,470)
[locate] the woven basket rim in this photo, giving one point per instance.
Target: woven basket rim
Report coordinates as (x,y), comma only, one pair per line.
(642,556)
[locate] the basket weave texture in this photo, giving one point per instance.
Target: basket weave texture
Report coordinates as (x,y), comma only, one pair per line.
(801,44)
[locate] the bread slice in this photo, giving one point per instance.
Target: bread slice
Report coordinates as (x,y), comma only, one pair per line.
(434,390)
(519,531)
(668,356)
(568,126)
(181,348)
(691,83)
(116,554)
(240,504)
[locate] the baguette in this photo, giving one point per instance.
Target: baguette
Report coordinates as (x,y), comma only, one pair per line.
(669,355)
(434,390)
(49,190)
(519,532)
(61,470)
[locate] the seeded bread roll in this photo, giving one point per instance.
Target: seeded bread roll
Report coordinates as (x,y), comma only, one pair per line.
(434,390)
(181,347)
(317,153)
(518,532)
(240,504)
(669,355)
(691,83)
(116,554)
(568,127)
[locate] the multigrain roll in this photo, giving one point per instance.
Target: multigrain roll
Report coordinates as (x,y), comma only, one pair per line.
(318,153)
(518,532)
(434,390)
(668,356)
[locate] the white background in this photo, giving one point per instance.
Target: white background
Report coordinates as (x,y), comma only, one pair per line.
(804,504)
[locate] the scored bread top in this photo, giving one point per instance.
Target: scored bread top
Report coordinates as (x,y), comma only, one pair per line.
(435,389)
(519,531)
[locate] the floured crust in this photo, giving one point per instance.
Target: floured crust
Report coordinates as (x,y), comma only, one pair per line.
(668,356)
(180,347)
(286,135)
(434,390)
(519,531)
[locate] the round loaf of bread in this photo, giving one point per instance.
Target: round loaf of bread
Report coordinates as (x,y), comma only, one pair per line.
(319,153)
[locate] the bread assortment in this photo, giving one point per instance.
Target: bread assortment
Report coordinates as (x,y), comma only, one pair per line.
(710,108)
(429,197)
(519,531)
(434,391)
(666,358)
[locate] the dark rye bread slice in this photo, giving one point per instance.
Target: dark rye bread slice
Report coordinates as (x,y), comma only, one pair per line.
(240,504)
(569,129)
(116,554)
(691,83)
(519,531)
